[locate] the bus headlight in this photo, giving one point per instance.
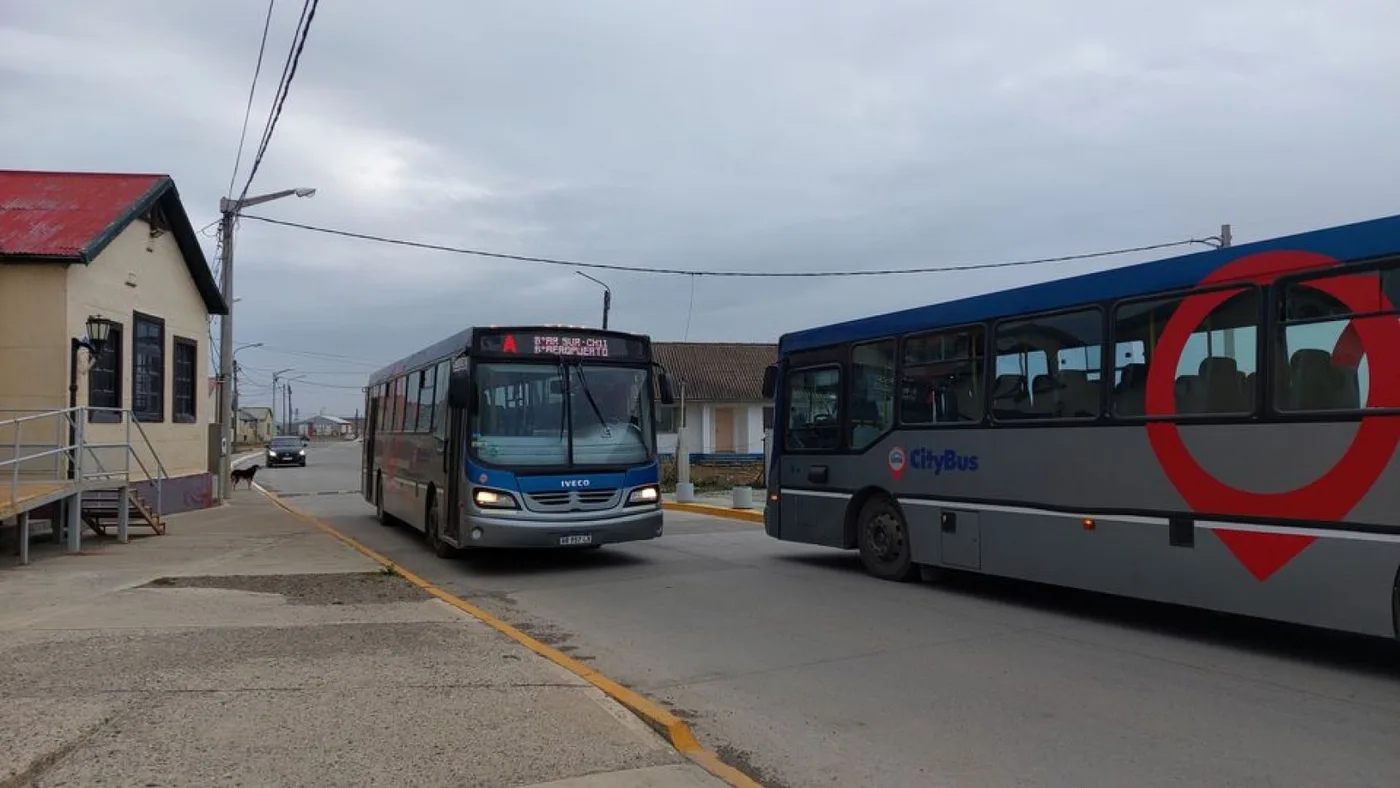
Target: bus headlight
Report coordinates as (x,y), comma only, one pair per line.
(644,495)
(491,499)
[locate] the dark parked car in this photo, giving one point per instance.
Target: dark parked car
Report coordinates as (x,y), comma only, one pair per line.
(286,450)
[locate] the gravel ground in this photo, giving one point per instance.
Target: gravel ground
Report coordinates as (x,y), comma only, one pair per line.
(353,588)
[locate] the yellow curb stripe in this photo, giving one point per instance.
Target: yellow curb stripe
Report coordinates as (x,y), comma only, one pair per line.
(675,729)
(747,515)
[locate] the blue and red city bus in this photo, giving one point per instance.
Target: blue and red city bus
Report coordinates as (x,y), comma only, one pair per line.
(1216,430)
(519,437)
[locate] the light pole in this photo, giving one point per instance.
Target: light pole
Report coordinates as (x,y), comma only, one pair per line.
(228,211)
(235,384)
(607,295)
(275,427)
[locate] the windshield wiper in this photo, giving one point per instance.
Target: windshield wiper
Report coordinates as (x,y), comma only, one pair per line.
(583,384)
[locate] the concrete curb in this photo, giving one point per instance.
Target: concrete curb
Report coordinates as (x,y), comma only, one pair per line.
(676,731)
(746,515)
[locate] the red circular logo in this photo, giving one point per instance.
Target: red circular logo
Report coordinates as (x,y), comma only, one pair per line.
(1332,495)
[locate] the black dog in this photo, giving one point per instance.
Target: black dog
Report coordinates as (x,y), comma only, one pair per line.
(243,474)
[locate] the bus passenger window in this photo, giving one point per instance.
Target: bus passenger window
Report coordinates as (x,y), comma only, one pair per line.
(1216,374)
(1049,367)
(941,381)
(814,409)
(872,392)
(1319,363)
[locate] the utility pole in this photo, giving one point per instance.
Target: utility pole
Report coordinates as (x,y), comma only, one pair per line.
(275,390)
(1224,236)
(607,295)
(226,411)
(235,400)
(228,215)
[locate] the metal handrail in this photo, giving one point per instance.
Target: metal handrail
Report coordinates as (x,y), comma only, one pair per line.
(80,448)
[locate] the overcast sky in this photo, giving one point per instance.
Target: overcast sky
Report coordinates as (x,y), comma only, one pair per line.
(721,135)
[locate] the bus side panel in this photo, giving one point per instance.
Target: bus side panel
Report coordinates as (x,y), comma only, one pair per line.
(1030,489)
(1338,583)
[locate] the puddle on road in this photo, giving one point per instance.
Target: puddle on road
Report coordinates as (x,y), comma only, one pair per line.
(349,588)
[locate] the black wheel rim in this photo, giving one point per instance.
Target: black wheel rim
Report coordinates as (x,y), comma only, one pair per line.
(884,533)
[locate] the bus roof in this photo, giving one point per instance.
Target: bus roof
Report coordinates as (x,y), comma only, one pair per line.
(461,342)
(1346,242)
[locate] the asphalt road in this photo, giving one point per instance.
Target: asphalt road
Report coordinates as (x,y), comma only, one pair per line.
(791,662)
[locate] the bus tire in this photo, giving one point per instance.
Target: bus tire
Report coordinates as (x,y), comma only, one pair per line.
(882,535)
(432,525)
(379,513)
(1395,605)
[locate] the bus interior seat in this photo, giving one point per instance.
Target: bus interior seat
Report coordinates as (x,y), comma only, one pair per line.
(1079,396)
(1009,396)
(1318,385)
(1045,396)
(1222,386)
(1189,394)
(866,424)
(1130,395)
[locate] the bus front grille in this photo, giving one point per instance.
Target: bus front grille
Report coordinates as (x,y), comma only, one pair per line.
(572,500)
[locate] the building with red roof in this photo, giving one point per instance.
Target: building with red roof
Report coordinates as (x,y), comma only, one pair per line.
(119,248)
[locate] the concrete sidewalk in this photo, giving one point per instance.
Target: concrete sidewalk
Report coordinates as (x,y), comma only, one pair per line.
(247,647)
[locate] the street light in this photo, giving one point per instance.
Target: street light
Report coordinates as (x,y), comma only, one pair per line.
(607,295)
(228,211)
(235,379)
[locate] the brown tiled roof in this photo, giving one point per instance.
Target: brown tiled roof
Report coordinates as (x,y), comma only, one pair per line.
(716,371)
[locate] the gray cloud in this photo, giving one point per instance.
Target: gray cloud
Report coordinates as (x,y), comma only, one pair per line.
(776,136)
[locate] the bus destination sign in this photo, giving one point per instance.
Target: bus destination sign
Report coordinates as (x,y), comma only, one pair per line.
(561,343)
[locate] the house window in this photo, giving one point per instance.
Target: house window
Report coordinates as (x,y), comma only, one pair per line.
(186,361)
(105,380)
(666,418)
(767,417)
(148,368)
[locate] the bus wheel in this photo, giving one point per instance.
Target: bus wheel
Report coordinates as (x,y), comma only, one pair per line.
(433,525)
(883,538)
(379,513)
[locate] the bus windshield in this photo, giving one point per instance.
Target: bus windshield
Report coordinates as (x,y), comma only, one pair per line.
(533,414)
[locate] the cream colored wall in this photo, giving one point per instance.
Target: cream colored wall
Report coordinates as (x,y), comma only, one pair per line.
(162,288)
(33,350)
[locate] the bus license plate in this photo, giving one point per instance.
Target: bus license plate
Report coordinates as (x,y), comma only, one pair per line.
(576,539)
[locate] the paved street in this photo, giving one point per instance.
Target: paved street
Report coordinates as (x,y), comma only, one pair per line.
(790,661)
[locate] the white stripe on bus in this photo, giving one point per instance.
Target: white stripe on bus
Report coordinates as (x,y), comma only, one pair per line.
(1211,525)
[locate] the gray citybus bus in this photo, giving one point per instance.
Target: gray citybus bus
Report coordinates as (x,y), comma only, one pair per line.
(1216,430)
(519,437)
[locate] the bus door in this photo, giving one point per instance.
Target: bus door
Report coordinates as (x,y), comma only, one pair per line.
(371,430)
(812,504)
(454,468)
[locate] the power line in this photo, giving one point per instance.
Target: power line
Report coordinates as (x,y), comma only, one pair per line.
(320,355)
(252,91)
(289,71)
(696,272)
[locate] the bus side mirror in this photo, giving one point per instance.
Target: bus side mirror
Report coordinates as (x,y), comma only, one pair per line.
(459,389)
(664,384)
(770,381)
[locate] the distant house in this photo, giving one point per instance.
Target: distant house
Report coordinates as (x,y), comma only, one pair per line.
(323,426)
(721,384)
(255,425)
(116,252)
